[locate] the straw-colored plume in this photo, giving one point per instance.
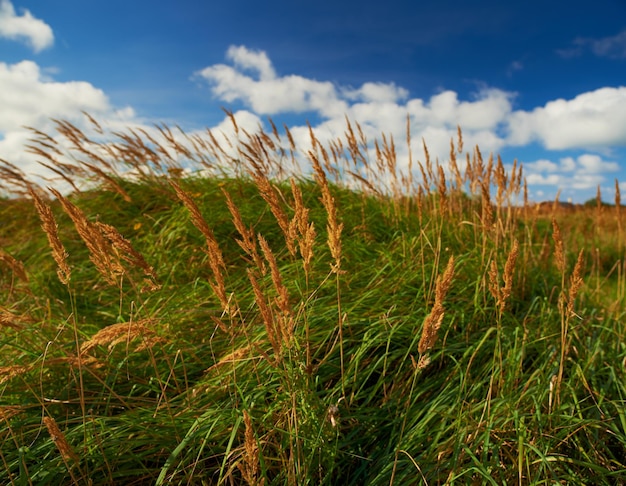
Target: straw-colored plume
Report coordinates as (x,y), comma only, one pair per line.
(559,255)
(60,440)
(271,196)
(502,294)
(100,249)
(334,227)
(433,321)
(16,266)
(305,229)
(271,326)
(576,282)
(127,252)
(50,227)
(9,372)
(216,260)
(249,467)
(124,332)
(247,241)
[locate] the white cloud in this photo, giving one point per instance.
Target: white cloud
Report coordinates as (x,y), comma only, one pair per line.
(377,92)
(251,60)
(586,171)
(269,95)
(25,27)
(30,98)
(379,107)
(593,119)
(612,47)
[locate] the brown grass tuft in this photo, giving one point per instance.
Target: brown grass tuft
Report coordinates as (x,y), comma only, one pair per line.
(126,251)
(502,294)
(60,440)
(271,327)
(9,372)
(249,467)
(216,260)
(124,332)
(433,321)
(247,241)
(305,229)
(100,250)
(15,265)
(576,282)
(49,225)
(559,254)
(333,226)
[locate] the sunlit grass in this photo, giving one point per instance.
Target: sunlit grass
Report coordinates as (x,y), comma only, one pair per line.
(256,326)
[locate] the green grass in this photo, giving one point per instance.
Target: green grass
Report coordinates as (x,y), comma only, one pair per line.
(344,404)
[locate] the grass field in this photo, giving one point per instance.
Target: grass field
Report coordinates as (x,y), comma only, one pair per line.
(249,323)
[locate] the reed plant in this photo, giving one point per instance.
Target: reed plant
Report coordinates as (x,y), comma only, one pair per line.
(202,309)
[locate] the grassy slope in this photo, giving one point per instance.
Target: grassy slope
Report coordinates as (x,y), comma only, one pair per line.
(342,404)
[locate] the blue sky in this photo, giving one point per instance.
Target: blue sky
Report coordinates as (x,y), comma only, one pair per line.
(540,81)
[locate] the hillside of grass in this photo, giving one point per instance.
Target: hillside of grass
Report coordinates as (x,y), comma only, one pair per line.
(254,325)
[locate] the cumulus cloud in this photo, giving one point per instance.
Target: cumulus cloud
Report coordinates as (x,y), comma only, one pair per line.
(30,98)
(251,79)
(25,27)
(584,172)
(265,93)
(593,119)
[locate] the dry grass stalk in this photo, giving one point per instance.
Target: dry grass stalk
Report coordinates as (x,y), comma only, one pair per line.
(129,254)
(13,178)
(433,320)
(509,266)
(247,241)
(455,168)
(12,320)
(270,195)
(249,468)
(442,190)
(559,254)
(273,333)
(100,250)
(501,183)
(50,227)
(10,411)
(231,358)
(425,179)
(334,228)
(16,266)
(60,440)
(9,372)
(285,324)
(429,165)
(216,260)
(306,229)
(459,143)
(124,332)
(618,209)
(494,282)
(487,208)
(576,282)
(502,294)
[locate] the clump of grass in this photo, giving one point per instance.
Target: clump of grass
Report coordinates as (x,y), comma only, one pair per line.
(252,325)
